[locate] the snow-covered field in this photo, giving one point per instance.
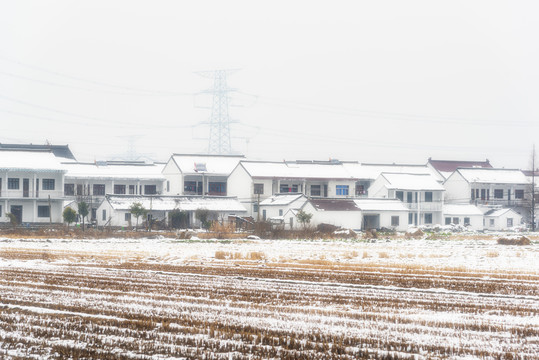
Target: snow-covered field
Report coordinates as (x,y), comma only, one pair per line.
(249,299)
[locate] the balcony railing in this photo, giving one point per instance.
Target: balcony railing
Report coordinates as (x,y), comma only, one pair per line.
(30,194)
(502,202)
(424,206)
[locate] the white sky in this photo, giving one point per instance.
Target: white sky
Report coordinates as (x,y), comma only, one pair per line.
(374,81)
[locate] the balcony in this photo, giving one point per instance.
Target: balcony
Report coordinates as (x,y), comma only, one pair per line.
(30,194)
(501,202)
(424,206)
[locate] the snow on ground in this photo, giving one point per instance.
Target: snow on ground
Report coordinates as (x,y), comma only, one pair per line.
(248,299)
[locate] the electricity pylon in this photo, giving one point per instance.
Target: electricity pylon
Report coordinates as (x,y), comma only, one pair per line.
(219,141)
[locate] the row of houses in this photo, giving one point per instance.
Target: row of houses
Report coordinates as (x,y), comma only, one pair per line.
(38,182)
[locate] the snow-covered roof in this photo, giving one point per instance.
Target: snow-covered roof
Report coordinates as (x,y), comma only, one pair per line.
(413,182)
(296,170)
(498,212)
(281,199)
(168,203)
(207,164)
(372,171)
(380,205)
(334,205)
(448,166)
(114,171)
(29,161)
(493,176)
(461,209)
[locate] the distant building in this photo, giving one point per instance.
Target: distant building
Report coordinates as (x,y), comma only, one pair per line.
(447,167)
(90,182)
(422,194)
(31,186)
(115,211)
(199,174)
(60,151)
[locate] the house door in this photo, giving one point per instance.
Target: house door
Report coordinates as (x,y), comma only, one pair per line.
(371,222)
(25,187)
(16,210)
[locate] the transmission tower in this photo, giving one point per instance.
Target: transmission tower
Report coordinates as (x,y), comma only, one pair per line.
(219,140)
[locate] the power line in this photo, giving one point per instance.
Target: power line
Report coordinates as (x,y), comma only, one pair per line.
(132,90)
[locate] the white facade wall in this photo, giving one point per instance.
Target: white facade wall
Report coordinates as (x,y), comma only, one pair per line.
(386,218)
(457,189)
(31,195)
(174,177)
(476,221)
(498,223)
(345,219)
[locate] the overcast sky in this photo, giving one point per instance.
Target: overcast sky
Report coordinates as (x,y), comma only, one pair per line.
(373,81)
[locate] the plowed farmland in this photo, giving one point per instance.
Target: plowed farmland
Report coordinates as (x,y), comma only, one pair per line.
(166,299)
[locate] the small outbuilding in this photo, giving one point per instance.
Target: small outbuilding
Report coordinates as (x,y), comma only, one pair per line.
(502,219)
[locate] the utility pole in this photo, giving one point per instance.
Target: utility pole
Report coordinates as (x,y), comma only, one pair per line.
(219,141)
(533,189)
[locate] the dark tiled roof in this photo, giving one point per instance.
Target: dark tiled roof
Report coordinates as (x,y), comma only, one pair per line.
(61,151)
(452,165)
(335,204)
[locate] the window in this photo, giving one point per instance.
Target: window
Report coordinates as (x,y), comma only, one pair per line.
(190,186)
(127,216)
(47,184)
(448,221)
(399,195)
(428,218)
(99,189)
(280,212)
(104,215)
(13,183)
(43,211)
(264,215)
(119,189)
(295,188)
(152,189)
(491,222)
(473,194)
(283,188)
(509,222)
(342,190)
(315,190)
(456,220)
(408,197)
(217,188)
(483,194)
(360,190)
(131,189)
(410,218)
(255,208)
(79,189)
(259,188)
(428,196)
(519,194)
(394,221)
(168,186)
(69,189)
(498,193)
(466,221)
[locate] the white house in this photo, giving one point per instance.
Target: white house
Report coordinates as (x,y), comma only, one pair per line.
(483,186)
(422,194)
(501,219)
(338,212)
(31,186)
(115,210)
(254,181)
(90,182)
(192,174)
(467,215)
(276,207)
(383,213)
(446,167)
